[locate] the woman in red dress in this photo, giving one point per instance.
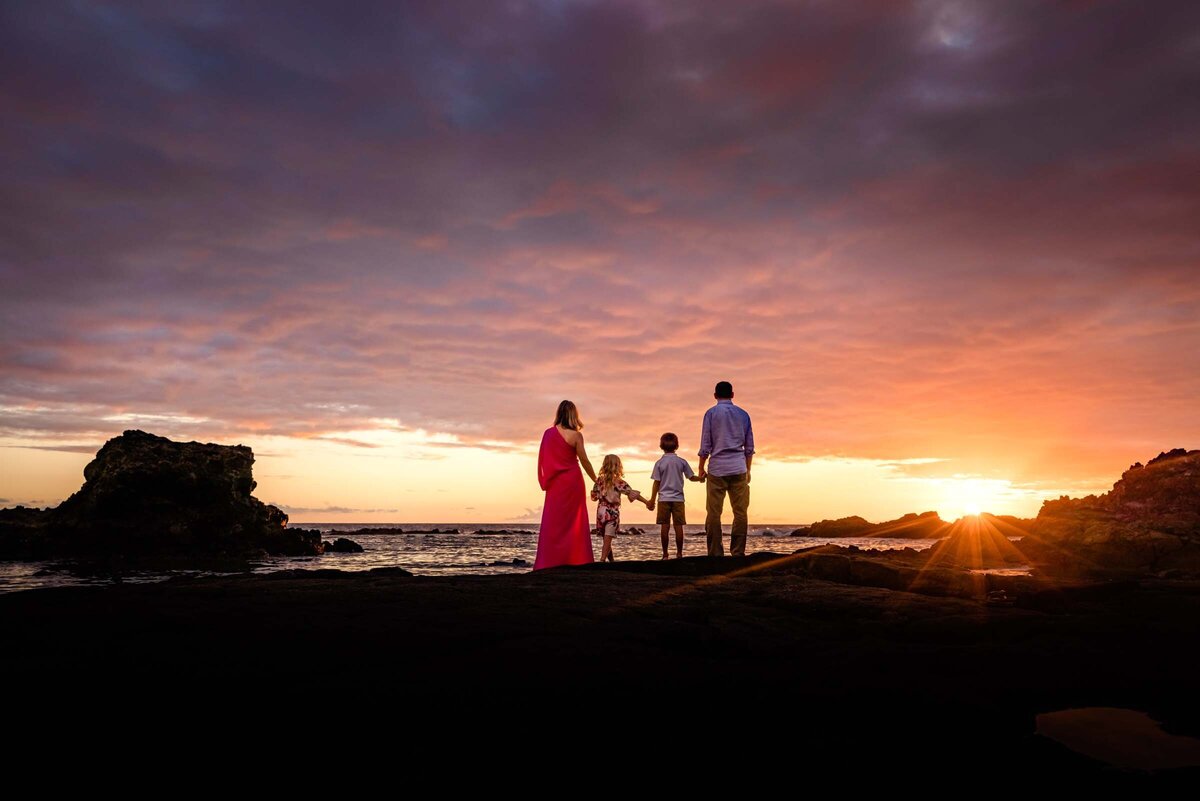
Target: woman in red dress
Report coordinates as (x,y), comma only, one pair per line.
(564,537)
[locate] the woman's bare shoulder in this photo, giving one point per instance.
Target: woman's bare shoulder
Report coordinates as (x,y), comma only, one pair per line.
(570,435)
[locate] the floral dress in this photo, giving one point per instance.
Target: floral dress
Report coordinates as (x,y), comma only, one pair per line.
(608,506)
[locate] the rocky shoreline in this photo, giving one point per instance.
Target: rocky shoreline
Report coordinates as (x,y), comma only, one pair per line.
(804,666)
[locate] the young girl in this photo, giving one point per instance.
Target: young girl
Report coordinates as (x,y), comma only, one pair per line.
(609,487)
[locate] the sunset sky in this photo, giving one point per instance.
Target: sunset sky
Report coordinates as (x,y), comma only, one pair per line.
(947,252)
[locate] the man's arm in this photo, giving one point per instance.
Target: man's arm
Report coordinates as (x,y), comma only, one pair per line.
(749,447)
(705,442)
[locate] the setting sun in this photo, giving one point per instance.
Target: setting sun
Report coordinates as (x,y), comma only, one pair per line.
(962,496)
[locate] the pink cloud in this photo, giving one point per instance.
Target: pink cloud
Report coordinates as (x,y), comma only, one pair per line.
(893,244)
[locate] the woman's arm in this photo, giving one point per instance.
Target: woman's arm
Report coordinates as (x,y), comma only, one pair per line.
(583,460)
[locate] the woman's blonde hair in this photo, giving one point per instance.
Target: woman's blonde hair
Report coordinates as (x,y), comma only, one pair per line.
(567,416)
(610,472)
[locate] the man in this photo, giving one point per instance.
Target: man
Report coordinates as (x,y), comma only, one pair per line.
(729,440)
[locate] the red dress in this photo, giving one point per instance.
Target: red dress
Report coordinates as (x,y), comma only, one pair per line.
(564,538)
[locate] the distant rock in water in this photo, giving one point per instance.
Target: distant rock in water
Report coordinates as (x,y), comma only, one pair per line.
(148,496)
(1149,521)
(911,526)
(506,532)
(401,530)
(842,527)
(369,530)
(341,545)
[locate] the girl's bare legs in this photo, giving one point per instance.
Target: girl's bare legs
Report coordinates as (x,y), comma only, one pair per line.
(606,554)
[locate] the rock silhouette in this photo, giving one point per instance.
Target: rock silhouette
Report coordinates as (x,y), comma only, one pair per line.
(1149,521)
(145,495)
(912,526)
(341,545)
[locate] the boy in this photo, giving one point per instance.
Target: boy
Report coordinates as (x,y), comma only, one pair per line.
(668,490)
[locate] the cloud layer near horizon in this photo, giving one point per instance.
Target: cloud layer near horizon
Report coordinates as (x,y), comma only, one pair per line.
(940,229)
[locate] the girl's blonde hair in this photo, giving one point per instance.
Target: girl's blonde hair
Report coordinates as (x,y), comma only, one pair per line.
(610,472)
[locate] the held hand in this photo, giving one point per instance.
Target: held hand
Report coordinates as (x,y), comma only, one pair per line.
(650,505)
(747,476)
(703,475)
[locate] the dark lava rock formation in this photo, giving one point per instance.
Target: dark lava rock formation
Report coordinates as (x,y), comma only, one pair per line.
(1148,522)
(148,496)
(341,545)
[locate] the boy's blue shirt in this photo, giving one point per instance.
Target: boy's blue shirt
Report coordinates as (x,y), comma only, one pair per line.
(669,472)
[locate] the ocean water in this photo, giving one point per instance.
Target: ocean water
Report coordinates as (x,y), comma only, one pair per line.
(464,548)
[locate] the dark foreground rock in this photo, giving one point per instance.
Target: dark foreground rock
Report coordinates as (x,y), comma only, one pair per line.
(148,496)
(23,532)
(906,570)
(796,670)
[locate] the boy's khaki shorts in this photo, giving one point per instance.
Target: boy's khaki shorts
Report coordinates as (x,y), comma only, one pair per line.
(671,509)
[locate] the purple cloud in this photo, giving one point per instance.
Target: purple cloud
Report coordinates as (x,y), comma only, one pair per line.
(942,228)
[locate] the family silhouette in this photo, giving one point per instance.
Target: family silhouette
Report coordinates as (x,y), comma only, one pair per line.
(726,453)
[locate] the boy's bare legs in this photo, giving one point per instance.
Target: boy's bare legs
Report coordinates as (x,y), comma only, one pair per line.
(666,538)
(678,541)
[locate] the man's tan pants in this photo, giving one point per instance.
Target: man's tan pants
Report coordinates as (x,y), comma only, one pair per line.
(738,489)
